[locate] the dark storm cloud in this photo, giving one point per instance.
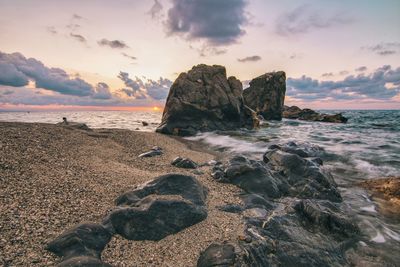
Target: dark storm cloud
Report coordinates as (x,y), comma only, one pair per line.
(249,59)
(375,85)
(304,19)
(113,44)
(16,70)
(144,88)
(217,22)
(384,48)
(78,37)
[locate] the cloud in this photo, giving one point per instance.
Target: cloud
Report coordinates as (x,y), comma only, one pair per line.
(384,48)
(343,72)
(16,70)
(361,69)
(78,37)
(327,74)
(155,10)
(102,91)
(304,19)
(77,17)
(128,56)
(113,44)
(382,84)
(144,88)
(51,30)
(10,75)
(249,59)
(215,22)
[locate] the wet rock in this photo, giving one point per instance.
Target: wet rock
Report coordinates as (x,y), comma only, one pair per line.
(203,99)
(217,255)
(326,219)
(288,237)
(86,239)
(83,261)
(155,151)
(281,173)
(386,191)
(159,208)
(266,95)
(306,114)
(184,163)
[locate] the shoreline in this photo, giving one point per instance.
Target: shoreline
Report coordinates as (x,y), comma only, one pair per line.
(54,178)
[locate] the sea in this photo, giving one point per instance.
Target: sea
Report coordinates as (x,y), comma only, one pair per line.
(367,147)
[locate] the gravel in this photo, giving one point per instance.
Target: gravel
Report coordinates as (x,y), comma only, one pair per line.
(52,178)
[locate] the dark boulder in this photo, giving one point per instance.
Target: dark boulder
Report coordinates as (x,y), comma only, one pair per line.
(306,114)
(163,206)
(221,255)
(184,163)
(203,99)
(86,239)
(155,218)
(266,95)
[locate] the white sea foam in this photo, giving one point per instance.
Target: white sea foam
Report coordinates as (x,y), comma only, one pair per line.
(379,238)
(231,143)
(369,208)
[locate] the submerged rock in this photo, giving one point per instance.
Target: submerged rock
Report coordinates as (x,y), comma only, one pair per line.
(266,95)
(386,191)
(306,114)
(164,206)
(204,99)
(155,151)
(184,163)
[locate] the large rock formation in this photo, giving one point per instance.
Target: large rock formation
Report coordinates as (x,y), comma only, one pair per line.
(266,95)
(291,210)
(203,99)
(307,114)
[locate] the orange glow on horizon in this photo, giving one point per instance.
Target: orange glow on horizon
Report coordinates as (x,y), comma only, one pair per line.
(13,107)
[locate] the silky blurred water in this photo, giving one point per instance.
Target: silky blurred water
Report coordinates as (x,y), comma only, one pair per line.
(367,147)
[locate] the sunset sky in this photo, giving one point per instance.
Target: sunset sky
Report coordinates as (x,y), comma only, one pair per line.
(103,54)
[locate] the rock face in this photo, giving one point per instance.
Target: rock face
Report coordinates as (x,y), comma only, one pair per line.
(266,95)
(291,209)
(306,114)
(203,99)
(159,208)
